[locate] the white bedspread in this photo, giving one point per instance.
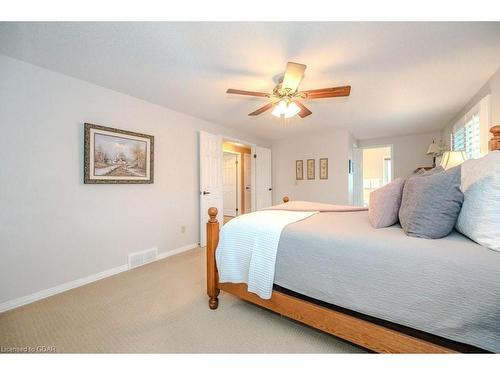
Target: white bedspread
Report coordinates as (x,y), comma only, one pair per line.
(247,248)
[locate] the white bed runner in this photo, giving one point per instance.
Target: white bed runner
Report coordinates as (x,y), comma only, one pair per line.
(248,245)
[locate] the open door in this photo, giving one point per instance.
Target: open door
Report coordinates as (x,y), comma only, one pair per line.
(210,154)
(261,171)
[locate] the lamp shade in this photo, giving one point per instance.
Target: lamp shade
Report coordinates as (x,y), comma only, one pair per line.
(453,158)
(433,149)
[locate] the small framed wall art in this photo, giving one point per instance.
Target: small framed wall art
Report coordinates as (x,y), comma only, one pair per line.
(114,156)
(311,169)
(299,169)
(323,169)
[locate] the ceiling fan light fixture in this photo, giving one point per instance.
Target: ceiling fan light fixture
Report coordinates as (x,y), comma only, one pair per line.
(285,99)
(279,109)
(285,110)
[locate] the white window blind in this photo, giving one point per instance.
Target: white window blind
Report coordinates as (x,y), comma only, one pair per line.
(470,133)
(468,137)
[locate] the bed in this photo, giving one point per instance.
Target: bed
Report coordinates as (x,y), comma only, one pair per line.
(378,288)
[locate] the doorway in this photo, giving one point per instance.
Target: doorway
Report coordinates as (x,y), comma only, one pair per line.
(375,169)
(253,178)
(237,181)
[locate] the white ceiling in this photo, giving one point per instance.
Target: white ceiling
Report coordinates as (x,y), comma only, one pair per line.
(406,77)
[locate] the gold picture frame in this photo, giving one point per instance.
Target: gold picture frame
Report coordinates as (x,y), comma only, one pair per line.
(311,169)
(115,156)
(299,169)
(323,169)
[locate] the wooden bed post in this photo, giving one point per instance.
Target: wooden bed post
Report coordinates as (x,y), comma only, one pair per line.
(212,276)
(286,199)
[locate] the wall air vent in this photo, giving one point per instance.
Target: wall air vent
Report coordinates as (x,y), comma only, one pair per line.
(142,257)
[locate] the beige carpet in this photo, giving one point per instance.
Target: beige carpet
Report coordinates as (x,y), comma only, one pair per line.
(160,307)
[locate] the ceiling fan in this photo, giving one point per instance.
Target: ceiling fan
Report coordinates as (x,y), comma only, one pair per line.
(285,96)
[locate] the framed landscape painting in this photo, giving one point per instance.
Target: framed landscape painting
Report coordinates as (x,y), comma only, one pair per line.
(114,156)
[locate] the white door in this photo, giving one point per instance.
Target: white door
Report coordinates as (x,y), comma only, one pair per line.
(263,178)
(230,180)
(210,154)
(247,180)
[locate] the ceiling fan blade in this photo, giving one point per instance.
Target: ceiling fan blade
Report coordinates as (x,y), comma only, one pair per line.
(293,75)
(330,92)
(304,111)
(249,93)
(261,109)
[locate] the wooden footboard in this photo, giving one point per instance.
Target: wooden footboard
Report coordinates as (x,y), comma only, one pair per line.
(369,335)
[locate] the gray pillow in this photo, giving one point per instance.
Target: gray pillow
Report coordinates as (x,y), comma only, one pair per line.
(434,170)
(431,203)
(423,172)
(384,204)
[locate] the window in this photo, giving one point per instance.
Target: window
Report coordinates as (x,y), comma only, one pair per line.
(470,133)
(468,138)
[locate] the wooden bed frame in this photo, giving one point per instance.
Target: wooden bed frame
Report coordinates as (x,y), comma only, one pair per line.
(361,332)
(364,333)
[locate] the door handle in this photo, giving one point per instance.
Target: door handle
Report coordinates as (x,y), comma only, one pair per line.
(270,189)
(247,187)
(206,192)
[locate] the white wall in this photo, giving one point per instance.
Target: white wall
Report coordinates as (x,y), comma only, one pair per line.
(53,228)
(409,151)
(492,86)
(333,145)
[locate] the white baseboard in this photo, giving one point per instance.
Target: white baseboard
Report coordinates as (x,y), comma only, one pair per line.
(179,250)
(18,302)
